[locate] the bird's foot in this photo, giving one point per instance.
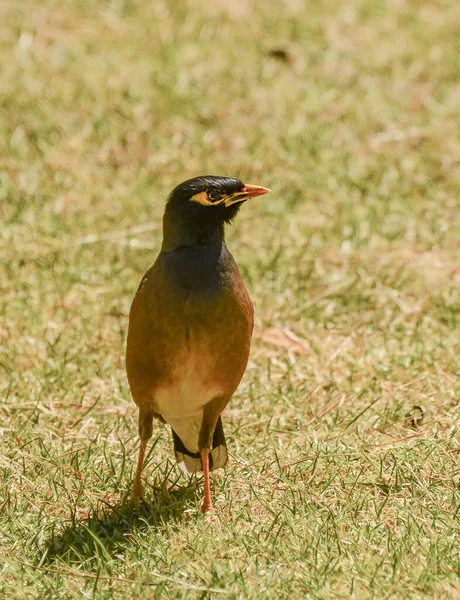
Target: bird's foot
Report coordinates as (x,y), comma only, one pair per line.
(139,502)
(137,498)
(208,513)
(136,501)
(206,506)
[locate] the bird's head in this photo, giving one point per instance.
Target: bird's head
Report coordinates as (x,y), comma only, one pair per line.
(199,206)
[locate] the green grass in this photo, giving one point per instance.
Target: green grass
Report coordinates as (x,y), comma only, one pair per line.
(335,489)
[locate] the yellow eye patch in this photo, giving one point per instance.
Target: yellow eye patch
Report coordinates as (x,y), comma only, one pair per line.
(209,198)
(201,198)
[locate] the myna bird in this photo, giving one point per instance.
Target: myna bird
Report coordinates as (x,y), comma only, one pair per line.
(190,327)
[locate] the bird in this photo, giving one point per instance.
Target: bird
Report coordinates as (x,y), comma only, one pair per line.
(190,327)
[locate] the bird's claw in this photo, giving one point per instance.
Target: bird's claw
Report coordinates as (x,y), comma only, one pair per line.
(138,499)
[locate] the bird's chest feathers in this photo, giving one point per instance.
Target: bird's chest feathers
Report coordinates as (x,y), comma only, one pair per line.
(193,379)
(207,337)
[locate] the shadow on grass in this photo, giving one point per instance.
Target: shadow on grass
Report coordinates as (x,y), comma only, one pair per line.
(108,531)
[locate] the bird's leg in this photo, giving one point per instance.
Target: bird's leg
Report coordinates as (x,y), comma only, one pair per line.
(136,492)
(207,504)
(211,413)
(145,433)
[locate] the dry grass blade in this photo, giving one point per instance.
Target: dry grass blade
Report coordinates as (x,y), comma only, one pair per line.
(283,338)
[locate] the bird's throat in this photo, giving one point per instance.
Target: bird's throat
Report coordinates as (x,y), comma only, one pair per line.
(177,233)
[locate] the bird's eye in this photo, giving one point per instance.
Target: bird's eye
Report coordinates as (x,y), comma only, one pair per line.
(214,196)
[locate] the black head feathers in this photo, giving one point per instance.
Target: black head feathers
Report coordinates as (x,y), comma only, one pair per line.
(198,208)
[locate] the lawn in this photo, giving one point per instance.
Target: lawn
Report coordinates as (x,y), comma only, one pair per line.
(344,471)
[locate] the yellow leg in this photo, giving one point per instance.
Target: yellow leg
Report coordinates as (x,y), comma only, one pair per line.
(207,504)
(136,493)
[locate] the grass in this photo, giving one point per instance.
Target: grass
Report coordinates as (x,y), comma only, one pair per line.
(337,487)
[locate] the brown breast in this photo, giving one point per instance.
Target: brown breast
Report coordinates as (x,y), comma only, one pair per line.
(188,344)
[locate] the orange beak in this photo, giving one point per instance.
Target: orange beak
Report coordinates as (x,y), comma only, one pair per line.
(248,191)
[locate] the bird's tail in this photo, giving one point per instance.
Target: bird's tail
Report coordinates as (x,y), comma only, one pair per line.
(190,462)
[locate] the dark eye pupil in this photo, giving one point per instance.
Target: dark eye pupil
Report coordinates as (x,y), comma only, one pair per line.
(214,196)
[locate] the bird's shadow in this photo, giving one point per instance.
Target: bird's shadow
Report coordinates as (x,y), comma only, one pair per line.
(109,530)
